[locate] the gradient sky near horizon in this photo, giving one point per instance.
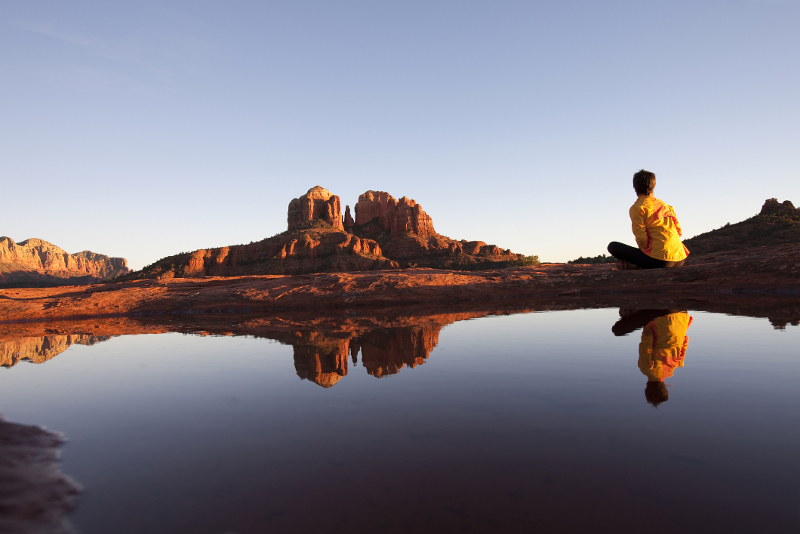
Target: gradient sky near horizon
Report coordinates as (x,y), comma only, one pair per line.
(144,129)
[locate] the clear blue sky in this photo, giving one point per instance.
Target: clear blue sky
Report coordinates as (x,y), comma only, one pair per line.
(142,129)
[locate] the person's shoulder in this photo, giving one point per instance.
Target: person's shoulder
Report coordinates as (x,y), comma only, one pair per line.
(662,203)
(640,202)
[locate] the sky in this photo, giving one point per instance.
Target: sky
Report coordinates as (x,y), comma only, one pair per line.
(144,129)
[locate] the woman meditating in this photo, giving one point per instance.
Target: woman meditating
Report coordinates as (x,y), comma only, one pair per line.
(656,228)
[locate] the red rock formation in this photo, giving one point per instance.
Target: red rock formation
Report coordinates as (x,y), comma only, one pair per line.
(41,349)
(398,218)
(37,260)
(348,219)
(386,352)
(320,359)
(317,203)
(406,235)
(299,251)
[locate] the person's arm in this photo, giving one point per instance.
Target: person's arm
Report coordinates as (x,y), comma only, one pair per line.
(637,214)
(677,224)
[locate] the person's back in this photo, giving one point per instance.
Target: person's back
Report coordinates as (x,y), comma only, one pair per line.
(657,230)
(655,227)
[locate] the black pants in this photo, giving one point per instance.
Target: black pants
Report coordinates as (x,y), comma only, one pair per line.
(635,256)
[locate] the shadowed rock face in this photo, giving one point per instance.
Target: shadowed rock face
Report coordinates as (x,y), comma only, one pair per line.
(317,203)
(36,260)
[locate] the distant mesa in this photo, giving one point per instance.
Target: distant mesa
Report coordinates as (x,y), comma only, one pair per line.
(386,233)
(36,262)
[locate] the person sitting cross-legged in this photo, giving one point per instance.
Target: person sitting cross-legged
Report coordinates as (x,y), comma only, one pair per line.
(656,228)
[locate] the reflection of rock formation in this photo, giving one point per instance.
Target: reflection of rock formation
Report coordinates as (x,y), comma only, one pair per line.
(41,349)
(319,358)
(322,359)
(386,351)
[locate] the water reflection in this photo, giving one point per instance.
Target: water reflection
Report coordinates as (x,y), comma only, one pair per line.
(41,348)
(663,346)
(187,434)
(322,358)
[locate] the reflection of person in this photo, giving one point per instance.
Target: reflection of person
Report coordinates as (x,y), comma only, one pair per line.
(656,228)
(663,346)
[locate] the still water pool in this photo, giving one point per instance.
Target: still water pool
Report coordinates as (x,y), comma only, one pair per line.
(672,422)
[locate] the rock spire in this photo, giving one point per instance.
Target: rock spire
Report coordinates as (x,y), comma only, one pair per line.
(317,203)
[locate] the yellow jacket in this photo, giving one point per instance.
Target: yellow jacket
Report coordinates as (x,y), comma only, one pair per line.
(663,346)
(657,230)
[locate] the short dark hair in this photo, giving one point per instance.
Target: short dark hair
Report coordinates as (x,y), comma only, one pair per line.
(644,182)
(656,392)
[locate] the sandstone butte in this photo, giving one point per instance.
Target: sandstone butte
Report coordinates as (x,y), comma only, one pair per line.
(386,233)
(35,261)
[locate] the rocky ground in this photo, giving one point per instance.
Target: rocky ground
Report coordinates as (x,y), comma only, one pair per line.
(35,495)
(767,271)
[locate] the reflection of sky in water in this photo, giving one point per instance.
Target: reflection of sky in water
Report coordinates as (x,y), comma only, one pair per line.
(513,422)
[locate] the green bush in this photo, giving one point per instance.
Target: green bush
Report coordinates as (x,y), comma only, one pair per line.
(602,258)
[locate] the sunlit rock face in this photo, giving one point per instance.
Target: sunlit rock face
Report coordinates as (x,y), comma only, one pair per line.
(317,203)
(396,217)
(320,359)
(42,349)
(406,235)
(38,260)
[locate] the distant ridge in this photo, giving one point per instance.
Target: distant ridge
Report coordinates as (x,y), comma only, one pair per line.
(776,224)
(35,262)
